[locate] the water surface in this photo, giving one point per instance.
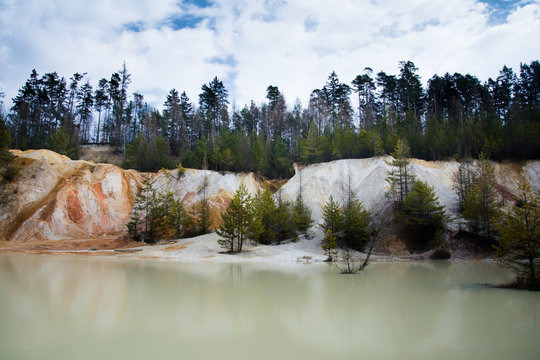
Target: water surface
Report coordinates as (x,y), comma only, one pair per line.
(88,308)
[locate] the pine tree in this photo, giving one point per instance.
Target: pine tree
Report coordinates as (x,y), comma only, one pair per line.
(309,151)
(464,179)
(422,214)
(146,217)
(365,87)
(400,177)
(63,143)
(302,214)
(519,243)
(481,206)
(265,209)
(236,222)
(329,245)
(148,156)
(101,101)
(176,216)
(356,229)
(7,171)
(85,106)
(202,210)
(285,225)
(332,218)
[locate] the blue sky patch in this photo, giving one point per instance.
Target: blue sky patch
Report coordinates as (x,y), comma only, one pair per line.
(223,60)
(500,9)
(135,26)
(310,24)
(422,26)
(198,3)
(183,21)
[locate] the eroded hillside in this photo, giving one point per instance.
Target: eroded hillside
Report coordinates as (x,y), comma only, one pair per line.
(56,199)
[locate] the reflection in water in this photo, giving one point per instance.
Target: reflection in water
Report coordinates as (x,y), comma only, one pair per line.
(88,308)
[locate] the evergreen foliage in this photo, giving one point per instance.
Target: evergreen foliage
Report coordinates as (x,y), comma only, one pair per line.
(62,142)
(7,171)
(423,215)
(349,223)
(455,116)
(265,210)
(464,179)
(329,245)
(518,247)
(356,229)
(203,214)
(236,222)
(279,220)
(158,216)
(481,206)
(176,217)
(148,156)
(285,221)
(332,218)
(302,215)
(146,219)
(400,177)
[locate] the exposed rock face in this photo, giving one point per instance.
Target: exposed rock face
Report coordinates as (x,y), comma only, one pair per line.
(56,198)
(220,187)
(367,179)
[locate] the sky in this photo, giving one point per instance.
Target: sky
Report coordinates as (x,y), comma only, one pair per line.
(249,45)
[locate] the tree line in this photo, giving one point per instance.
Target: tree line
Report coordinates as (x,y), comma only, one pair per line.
(420,219)
(261,218)
(455,115)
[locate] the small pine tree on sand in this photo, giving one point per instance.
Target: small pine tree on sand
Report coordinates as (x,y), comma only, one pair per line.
(236,222)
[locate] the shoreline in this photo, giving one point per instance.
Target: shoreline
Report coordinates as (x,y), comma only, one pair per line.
(205,249)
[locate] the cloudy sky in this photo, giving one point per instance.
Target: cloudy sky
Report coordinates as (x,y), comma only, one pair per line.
(292,44)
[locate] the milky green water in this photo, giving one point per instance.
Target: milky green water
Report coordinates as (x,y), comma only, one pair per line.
(89,308)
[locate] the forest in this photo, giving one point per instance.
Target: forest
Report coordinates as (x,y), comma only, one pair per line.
(453,116)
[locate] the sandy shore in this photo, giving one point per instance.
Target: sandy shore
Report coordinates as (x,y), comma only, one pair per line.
(202,248)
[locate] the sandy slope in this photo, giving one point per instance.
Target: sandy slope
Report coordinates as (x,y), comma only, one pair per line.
(206,248)
(56,200)
(367,179)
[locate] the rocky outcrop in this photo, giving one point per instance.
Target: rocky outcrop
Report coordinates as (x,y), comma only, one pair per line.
(220,187)
(56,198)
(367,179)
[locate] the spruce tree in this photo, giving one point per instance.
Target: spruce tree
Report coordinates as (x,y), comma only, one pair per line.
(236,222)
(356,229)
(285,224)
(202,210)
(309,151)
(7,171)
(400,177)
(265,209)
(146,220)
(302,214)
(518,247)
(463,181)
(329,245)
(481,206)
(176,216)
(332,218)
(63,142)
(423,215)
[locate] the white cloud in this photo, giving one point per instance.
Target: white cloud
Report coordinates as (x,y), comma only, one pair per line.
(293,44)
